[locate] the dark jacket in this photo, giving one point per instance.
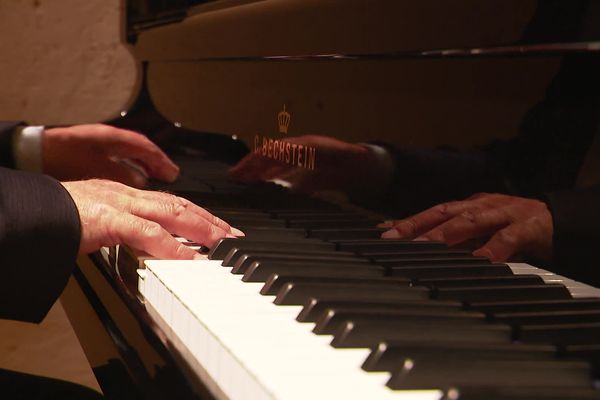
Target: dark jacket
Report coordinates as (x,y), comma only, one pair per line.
(39,238)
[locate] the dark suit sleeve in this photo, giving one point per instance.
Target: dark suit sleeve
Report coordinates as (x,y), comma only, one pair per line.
(6,132)
(39,240)
(576,219)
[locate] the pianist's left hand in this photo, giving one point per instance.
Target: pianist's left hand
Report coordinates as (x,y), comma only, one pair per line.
(515,225)
(103,151)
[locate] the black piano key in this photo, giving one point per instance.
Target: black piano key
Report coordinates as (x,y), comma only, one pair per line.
(225,211)
(564,334)
(314,307)
(256,222)
(239,213)
(236,253)
(331,223)
(509,280)
(449,271)
(445,374)
(388,356)
(273,234)
(321,215)
(587,352)
(308,213)
(370,333)
(417,253)
(345,233)
(244,261)
(332,318)
(299,292)
(535,305)
(546,317)
(499,293)
(430,260)
(259,271)
(276,281)
(389,245)
(506,392)
(224,246)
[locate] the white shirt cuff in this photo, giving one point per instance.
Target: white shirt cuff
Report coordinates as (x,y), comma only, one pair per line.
(27,148)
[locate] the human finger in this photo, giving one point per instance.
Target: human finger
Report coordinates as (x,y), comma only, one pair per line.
(411,227)
(137,147)
(273,172)
(168,198)
(250,168)
(178,219)
(467,225)
(119,172)
(148,236)
(505,243)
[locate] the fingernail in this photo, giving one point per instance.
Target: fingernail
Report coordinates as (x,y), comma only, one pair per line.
(421,239)
(229,235)
(199,256)
(391,234)
(237,232)
(386,224)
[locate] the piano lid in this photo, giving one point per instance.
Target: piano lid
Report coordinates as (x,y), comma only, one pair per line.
(418,72)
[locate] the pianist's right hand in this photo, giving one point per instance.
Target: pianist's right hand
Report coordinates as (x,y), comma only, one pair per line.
(103,151)
(112,213)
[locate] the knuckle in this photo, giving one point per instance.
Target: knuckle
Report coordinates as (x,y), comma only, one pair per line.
(176,209)
(151,229)
(409,226)
(507,238)
(469,216)
(213,230)
(441,209)
(218,221)
(436,235)
(181,251)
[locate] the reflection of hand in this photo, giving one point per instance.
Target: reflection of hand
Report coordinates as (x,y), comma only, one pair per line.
(515,224)
(102,151)
(112,213)
(339,166)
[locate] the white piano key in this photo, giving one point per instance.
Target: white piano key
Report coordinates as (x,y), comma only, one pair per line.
(255,344)
(576,289)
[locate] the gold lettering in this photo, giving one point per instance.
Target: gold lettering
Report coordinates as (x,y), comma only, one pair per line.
(257,144)
(270,149)
(294,146)
(312,155)
(281,150)
(300,148)
(275,147)
(264,147)
(287,152)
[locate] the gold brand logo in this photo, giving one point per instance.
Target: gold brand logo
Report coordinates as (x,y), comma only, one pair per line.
(283,120)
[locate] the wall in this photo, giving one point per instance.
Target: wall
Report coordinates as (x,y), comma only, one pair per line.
(61,61)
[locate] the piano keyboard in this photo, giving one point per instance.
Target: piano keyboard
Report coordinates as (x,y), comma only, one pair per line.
(253,349)
(312,304)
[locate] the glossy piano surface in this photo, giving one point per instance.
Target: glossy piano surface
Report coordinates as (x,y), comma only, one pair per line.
(405,320)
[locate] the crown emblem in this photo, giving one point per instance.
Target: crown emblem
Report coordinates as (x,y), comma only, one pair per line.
(283,120)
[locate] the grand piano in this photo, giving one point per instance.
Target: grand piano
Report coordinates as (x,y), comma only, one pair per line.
(312,303)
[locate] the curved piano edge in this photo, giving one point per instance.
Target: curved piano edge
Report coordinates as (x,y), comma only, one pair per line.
(129,353)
